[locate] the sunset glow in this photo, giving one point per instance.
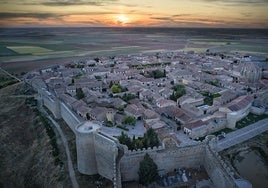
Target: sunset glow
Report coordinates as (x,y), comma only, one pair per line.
(130,13)
(122,20)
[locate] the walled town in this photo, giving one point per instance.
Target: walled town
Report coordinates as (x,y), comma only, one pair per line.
(182,97)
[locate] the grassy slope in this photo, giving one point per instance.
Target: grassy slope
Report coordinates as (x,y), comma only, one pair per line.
(25,157)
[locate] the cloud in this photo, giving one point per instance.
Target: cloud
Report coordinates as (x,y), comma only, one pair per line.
(181,15)
(76,2)
(59,2)
(246,14)
(239,2)
(162,18)
(8,15)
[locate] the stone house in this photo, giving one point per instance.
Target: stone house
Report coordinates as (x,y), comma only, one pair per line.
(161,103)
(71,90)
(133,110)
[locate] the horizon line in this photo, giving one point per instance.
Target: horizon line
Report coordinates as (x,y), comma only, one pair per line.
(131,27)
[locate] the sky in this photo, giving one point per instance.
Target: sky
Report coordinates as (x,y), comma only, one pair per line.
(134,13)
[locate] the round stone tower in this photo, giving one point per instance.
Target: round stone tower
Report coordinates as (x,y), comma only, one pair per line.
(86,161)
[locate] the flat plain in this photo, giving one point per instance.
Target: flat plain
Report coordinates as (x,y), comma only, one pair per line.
(22,49)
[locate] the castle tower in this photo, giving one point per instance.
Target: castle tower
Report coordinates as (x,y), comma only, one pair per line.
(86,161)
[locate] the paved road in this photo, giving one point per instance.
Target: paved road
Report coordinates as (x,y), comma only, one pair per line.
(243,134)
(67,150)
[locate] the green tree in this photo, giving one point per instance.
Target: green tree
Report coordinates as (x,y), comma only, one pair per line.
(178,91)
(116,88)
(79,93)
(88,117)
(127,97)
(125,140)
(158,74)
(129,120)
(138,144)
(147,170)
(150,138)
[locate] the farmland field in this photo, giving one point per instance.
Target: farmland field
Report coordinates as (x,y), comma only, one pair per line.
(197,50)
(34,50)
(23,49)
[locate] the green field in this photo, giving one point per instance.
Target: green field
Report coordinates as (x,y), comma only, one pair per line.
(210,43)
(4,51)
(34,50)
(197,50)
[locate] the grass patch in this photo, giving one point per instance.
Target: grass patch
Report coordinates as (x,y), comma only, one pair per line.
(52,138)
(216,95)
(211,43)
(4,51)
(225,130)
(34,50)
(250,119)
(6,80)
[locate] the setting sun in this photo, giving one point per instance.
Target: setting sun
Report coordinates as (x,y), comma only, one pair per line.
(122,20)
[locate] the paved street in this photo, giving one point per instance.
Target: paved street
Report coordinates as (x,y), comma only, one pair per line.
(243,134)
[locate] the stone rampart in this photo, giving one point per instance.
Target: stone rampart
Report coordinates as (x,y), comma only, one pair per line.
(101,153)
(52,103)
(70,117)
(166,159)
(218,170)
(106,153)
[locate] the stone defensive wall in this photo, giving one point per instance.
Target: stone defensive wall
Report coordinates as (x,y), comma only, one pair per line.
(69,116)
(167,159)
(60,110)
(108,157)
(219,172)
(98,153)
(52,103)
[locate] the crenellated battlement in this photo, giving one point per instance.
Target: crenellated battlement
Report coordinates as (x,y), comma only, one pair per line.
(144,150)
(100,153)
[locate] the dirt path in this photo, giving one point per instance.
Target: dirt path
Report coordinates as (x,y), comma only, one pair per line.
(67,150)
